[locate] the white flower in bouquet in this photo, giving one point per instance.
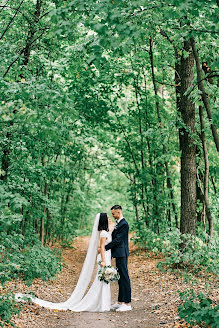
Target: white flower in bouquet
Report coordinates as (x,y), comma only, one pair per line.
(108,273)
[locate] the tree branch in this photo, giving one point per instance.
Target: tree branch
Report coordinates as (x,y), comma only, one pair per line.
(15,14)
(4,6)
(18,11)
(22,51)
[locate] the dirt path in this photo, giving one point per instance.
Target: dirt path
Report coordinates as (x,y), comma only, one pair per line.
(154,296)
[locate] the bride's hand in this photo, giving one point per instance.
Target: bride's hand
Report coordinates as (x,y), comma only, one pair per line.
(98,250)
(103,264)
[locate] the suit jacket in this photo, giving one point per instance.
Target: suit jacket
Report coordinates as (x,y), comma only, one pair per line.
(119,245)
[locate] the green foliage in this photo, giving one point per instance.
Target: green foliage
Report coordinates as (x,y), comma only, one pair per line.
(23,257)
(20,260)
(198,309)
(38,262)
(182,251)
(82,127)
(8,308)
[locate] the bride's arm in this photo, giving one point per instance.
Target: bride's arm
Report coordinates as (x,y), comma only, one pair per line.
(102,250)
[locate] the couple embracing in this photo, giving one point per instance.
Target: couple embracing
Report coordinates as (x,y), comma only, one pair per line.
(106,245)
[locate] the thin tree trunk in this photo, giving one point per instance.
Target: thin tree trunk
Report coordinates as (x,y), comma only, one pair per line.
(128,144)
(155,210)
(170,187)
(141,150)
(48,217)
(5,158)
(204,94)
(200,200)
(134,200)
(213,184)
(42,227)
(30,38)
(134,162)
(206,177)
(187,145)
(169,184)
(178,97)
(31,32)
(36,226)
(199,194)
(153,178)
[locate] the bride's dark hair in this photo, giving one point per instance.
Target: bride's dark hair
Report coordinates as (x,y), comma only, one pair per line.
(103,222)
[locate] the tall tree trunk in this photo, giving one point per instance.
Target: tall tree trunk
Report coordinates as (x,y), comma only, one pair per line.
(187,145)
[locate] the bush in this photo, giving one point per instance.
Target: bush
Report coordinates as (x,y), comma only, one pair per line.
(8,308)
(198,309)
(25,258)
(39,262)
(196,251)
(27,262)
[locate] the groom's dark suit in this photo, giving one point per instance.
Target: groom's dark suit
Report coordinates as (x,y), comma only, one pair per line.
(120,250)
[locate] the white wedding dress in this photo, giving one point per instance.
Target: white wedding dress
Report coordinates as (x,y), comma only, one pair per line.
(98,297)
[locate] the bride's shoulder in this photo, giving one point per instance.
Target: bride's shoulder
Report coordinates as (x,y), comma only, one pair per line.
(104,233)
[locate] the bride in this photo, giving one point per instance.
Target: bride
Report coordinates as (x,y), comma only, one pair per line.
(98,297)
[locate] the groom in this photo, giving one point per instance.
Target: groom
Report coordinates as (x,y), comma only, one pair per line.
(120,250)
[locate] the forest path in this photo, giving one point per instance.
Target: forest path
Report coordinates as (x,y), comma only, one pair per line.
(154,296)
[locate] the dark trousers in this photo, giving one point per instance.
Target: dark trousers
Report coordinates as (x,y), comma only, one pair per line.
(124,281)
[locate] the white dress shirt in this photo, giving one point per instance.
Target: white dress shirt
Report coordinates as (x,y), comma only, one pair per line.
(119,220)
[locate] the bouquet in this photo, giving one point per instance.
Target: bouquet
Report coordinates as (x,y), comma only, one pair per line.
(108,273)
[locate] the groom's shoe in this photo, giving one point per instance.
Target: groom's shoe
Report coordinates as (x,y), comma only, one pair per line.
(124,307)
(115,306)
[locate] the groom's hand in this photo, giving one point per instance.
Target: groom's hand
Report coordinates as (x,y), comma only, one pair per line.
(98,250)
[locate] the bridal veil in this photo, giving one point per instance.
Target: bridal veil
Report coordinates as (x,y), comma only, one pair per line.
(83,281)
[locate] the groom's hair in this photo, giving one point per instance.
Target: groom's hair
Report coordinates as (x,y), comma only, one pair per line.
(116,207)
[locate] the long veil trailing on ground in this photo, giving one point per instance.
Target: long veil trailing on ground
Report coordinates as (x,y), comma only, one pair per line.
(83,281)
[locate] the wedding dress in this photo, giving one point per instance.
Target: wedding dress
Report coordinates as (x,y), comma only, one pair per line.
(98,297)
